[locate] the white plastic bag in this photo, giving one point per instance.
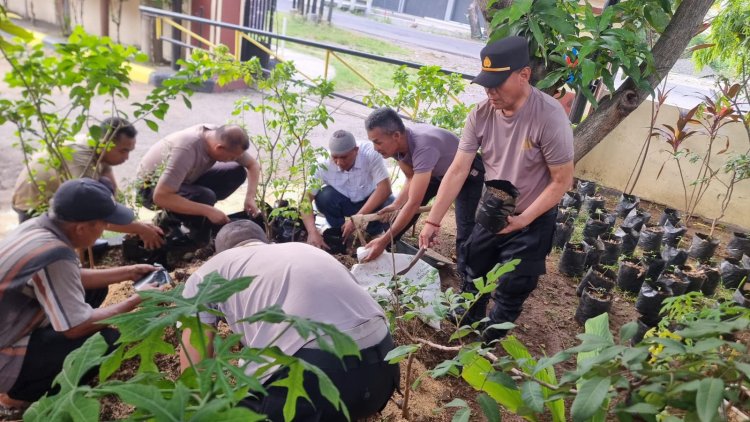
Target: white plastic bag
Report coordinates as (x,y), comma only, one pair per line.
(376,275)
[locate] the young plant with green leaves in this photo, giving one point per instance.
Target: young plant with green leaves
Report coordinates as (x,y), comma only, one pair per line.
(427,96)
(291,109)
(694,371)
(710,116)
(85,69)
(406,303)
(210,390)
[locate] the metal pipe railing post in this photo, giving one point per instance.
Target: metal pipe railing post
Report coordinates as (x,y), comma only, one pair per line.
(176,49)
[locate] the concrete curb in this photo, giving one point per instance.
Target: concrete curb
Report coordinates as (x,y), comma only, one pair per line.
(138,72)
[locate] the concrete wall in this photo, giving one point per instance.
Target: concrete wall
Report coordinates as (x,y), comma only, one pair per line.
(611,162)
(45,11)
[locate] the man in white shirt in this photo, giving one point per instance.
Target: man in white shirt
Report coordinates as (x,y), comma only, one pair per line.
(354,181)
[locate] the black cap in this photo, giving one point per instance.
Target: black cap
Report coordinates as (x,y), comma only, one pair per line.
(86,199)
(500,58)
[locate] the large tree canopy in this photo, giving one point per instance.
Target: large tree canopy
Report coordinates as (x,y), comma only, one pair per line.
(619,39)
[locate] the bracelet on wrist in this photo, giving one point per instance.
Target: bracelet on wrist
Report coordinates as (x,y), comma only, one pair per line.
(432,224)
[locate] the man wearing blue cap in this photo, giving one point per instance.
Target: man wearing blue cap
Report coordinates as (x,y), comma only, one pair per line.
(525,137)
(48,304)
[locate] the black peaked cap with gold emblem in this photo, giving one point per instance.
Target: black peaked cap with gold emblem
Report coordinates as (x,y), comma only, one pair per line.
(500,58)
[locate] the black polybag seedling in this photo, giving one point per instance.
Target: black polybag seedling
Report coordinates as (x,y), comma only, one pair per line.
(703,247)
(497,203)
(626,204)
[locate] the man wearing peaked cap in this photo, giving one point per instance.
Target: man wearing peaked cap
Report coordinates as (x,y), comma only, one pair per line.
(525,138)
(49,306)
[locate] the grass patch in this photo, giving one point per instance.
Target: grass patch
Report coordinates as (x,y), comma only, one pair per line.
(323,32)
(380,74)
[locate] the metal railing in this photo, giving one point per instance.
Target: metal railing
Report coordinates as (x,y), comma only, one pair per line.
(165,17)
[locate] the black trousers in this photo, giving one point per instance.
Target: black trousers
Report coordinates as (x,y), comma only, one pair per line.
(364,385)
(216,184)
(46,352)
(465,205)
(484,250)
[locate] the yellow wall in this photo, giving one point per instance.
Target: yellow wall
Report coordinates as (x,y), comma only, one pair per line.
(130,26)
(611,162)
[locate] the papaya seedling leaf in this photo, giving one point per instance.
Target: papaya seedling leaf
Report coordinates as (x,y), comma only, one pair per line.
(293,383)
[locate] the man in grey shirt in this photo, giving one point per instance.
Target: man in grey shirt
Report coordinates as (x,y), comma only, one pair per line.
(187,172)
(306,282)
(423,153)
(525,138)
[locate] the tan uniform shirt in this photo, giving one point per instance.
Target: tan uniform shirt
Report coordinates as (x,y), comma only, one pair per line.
(520,148)
(181,157)
(83,163)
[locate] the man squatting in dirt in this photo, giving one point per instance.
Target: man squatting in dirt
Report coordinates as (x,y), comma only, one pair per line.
(353,180)
(525,138)
(306,282)
(187,172)
(423,153)
(49,306)
(93,161)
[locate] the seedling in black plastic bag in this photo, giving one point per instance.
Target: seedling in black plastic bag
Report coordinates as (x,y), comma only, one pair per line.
(158,278)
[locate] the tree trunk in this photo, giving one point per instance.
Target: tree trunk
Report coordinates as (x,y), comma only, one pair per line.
(488,12)
(611,111)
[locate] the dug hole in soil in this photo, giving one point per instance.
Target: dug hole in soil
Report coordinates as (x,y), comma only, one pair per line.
(546,325)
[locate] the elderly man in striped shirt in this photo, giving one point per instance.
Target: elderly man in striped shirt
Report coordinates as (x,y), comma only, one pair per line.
(49,306)
(354,181)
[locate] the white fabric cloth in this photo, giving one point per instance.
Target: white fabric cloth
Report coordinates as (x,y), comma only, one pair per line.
(358,182)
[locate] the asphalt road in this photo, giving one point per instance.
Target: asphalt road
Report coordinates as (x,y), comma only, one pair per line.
(399,33)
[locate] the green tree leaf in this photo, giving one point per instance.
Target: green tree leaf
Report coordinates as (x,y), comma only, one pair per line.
(476,372)
(708,398)
(531,393)
(462,415)
(489,407)
(628,331)
(401,352)
(590,398)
